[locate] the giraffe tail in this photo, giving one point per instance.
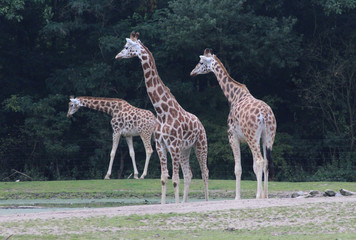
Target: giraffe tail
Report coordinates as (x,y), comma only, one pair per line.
(270,162)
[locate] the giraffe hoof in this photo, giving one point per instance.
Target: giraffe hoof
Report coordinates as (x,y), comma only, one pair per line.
(136,176)
(107,178)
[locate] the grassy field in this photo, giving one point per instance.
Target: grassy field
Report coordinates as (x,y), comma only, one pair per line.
(150,188)
(314,221)
(285,223)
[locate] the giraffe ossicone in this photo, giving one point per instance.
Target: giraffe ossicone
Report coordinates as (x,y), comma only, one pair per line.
(250,120)
(177,131)
(127,121)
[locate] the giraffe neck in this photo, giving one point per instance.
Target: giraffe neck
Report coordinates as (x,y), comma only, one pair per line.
(156,90)
(106,105)
(232,90)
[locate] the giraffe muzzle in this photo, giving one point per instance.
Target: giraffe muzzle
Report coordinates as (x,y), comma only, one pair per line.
(193,74)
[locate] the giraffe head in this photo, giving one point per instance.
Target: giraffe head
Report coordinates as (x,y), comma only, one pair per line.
(74,105)
(205,64)
(132,47)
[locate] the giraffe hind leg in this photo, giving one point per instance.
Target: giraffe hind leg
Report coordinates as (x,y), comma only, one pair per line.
(132,155)
(258,162)
(187,173)
(115,143)
(146,139)
(258,169)
(268,169)
(202,156)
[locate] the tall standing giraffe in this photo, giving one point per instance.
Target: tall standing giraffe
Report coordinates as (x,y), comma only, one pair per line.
(249,120)
(127,120)
(178,130)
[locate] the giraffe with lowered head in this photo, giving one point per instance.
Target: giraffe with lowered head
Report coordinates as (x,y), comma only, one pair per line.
(127,120)
(249,120)
(178,130)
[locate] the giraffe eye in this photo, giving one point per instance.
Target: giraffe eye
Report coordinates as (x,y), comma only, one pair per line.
(201,63)
(126,47)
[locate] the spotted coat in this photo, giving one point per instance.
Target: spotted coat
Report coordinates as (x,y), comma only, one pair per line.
(127,121)
(178,130)
(249,120)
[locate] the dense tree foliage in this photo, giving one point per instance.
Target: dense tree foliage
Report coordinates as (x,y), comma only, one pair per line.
(298,56)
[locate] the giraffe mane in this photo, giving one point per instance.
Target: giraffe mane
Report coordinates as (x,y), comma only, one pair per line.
(228,75)
(154,65)
(101,98)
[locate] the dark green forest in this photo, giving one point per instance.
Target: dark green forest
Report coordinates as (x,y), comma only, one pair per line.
(299,56)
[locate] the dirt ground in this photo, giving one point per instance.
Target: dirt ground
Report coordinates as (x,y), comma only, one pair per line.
(176,208)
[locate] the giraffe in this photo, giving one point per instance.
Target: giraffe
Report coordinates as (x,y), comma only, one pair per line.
(249,121)
(127,120)
(178,131)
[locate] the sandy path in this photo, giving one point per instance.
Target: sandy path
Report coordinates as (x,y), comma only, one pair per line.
(175,208)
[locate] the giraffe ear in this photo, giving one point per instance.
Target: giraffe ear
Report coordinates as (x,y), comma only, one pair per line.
(207,51)
(71,97)
(137,35)
(132,35)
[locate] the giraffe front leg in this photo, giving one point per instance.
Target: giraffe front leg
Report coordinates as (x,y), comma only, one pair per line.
(146,139)
(162,154)
(175,154)
(235,146)
(115,143)
(132,155)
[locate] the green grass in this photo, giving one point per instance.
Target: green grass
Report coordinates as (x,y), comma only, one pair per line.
(150,188)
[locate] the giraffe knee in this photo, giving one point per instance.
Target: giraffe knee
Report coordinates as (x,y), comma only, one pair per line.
(164,179)
(175,180)
(238,171)
(132,154)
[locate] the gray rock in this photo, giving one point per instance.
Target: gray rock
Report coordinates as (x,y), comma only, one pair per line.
(329,193)
(345,192)
(294,195)
(297,194)
(314,193)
